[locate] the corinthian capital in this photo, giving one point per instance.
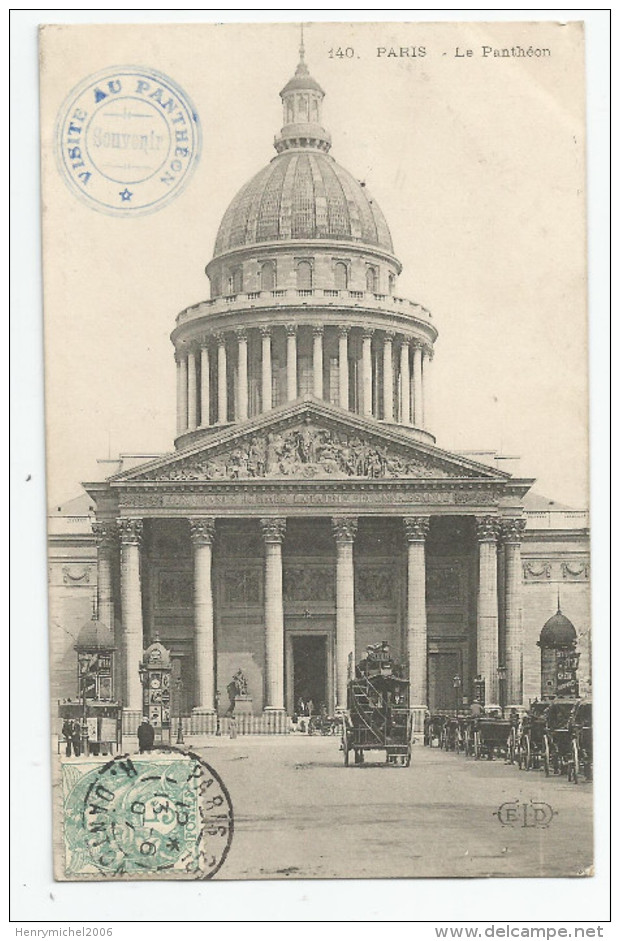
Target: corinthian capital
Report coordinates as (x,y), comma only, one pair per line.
(273,529)
(344,528)
(512,530)
(487,528)
(416,528)
(106,533)
(202,531)
(130,531)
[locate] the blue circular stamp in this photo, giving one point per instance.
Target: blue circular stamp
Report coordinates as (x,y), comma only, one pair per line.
(127,140)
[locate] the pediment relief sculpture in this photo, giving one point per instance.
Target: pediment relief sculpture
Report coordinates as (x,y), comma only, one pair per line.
(305,451)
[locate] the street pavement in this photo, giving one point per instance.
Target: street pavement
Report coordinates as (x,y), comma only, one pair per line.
(299,813)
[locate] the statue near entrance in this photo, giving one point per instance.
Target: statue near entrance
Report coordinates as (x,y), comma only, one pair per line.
(240,700)
(241,683)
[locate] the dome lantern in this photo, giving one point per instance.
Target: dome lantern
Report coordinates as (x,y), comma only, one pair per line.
(302,98)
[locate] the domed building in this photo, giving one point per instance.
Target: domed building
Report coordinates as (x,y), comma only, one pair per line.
(303,296)
(306,511)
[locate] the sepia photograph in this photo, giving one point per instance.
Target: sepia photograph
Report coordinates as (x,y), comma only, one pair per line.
(317,451)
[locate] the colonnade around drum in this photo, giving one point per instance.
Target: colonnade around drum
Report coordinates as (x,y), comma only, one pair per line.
(236,374)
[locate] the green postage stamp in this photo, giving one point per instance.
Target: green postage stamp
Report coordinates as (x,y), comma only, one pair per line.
(166,814)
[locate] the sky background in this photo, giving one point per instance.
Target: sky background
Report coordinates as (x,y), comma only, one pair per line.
(477,163)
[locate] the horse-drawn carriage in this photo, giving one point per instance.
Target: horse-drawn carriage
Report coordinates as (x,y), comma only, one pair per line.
(452,734)
(494,736)
(433,728)
(530,745)
(377,716)
(558,737)
(581,741)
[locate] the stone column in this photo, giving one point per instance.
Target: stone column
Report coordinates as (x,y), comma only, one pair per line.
(106,535)
(182,394)
(427,358)
(178,361)
(405,383)
(388,377)
(202,532)
(344,530)
(416,531)
(291,362)
(418,405)
(512,532)
(367,372)
(131,614)
(192,397)
(273,530)
(222,380)
(317,361)
(205,385)
(266,339)
(488,609)
(343,366)
(242,377)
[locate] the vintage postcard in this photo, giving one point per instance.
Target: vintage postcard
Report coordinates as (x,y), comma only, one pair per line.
(317,450)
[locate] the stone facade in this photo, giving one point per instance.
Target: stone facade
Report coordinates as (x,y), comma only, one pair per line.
(307,511)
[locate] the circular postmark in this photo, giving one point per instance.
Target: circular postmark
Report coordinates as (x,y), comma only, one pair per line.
(164,815)
(127,140)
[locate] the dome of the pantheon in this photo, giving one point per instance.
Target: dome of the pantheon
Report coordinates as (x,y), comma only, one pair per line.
(302,193)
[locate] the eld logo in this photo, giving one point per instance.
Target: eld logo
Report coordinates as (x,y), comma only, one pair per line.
(515,814)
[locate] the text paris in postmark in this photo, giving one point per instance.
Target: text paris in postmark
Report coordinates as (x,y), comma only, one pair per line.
(165,815)
(127,140)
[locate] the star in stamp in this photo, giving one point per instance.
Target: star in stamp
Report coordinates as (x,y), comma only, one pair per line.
(165,815)
(127,140)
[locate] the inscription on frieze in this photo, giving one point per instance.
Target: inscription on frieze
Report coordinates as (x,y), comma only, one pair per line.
(250,497)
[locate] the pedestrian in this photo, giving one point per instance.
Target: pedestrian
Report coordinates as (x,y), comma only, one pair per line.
(310,707)
(68,733)
(232,726)
(476,708)
(146,735)
(77,738)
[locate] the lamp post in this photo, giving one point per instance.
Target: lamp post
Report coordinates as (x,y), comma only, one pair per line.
(180,739)
(457,683)
(84,663)
(218,730)
(501,682)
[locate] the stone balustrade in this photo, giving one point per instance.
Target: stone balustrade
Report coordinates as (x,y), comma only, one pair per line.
(291,297)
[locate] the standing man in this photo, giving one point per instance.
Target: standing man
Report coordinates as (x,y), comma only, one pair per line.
(146,735)
(68,734)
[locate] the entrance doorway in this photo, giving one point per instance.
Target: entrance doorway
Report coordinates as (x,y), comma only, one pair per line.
(443,666)
(309,670)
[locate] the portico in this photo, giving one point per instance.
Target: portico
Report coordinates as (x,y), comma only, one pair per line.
(234,551)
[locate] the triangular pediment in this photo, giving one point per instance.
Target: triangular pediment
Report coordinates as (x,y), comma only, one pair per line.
(309,440)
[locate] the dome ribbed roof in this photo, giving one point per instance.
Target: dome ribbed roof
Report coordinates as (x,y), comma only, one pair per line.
(95,635)
(558,631)
(302,195)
